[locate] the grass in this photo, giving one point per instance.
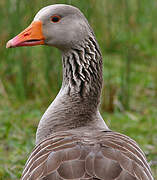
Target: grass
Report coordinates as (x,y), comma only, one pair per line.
(31,77)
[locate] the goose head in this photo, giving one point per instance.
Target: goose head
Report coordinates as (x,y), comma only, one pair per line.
(61,26)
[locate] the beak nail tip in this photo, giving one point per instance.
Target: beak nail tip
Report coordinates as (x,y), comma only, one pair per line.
(8,45)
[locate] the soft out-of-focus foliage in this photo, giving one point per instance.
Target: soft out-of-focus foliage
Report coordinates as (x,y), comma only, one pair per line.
(31,77)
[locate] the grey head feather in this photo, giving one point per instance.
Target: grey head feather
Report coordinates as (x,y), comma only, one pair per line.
(72,29)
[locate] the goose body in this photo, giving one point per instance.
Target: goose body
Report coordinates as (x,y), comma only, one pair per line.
(72,140)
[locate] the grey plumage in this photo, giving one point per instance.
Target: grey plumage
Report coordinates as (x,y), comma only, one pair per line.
(72,141)
(87,155)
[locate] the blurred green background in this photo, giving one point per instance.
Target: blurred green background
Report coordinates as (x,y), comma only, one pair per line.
(31,77)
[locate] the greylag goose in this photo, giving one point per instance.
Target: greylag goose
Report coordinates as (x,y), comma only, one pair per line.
(72,140)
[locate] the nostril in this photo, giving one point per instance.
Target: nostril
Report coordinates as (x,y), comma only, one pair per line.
(26,34)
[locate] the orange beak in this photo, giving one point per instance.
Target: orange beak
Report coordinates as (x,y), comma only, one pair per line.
(31,36)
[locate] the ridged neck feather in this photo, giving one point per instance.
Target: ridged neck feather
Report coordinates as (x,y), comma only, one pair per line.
(82,71)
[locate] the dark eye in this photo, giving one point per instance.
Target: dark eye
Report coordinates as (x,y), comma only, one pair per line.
(55,18)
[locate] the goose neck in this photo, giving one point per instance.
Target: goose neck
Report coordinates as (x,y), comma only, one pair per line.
(76,105)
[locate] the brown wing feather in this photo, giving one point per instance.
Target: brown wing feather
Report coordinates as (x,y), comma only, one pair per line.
(87,156)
